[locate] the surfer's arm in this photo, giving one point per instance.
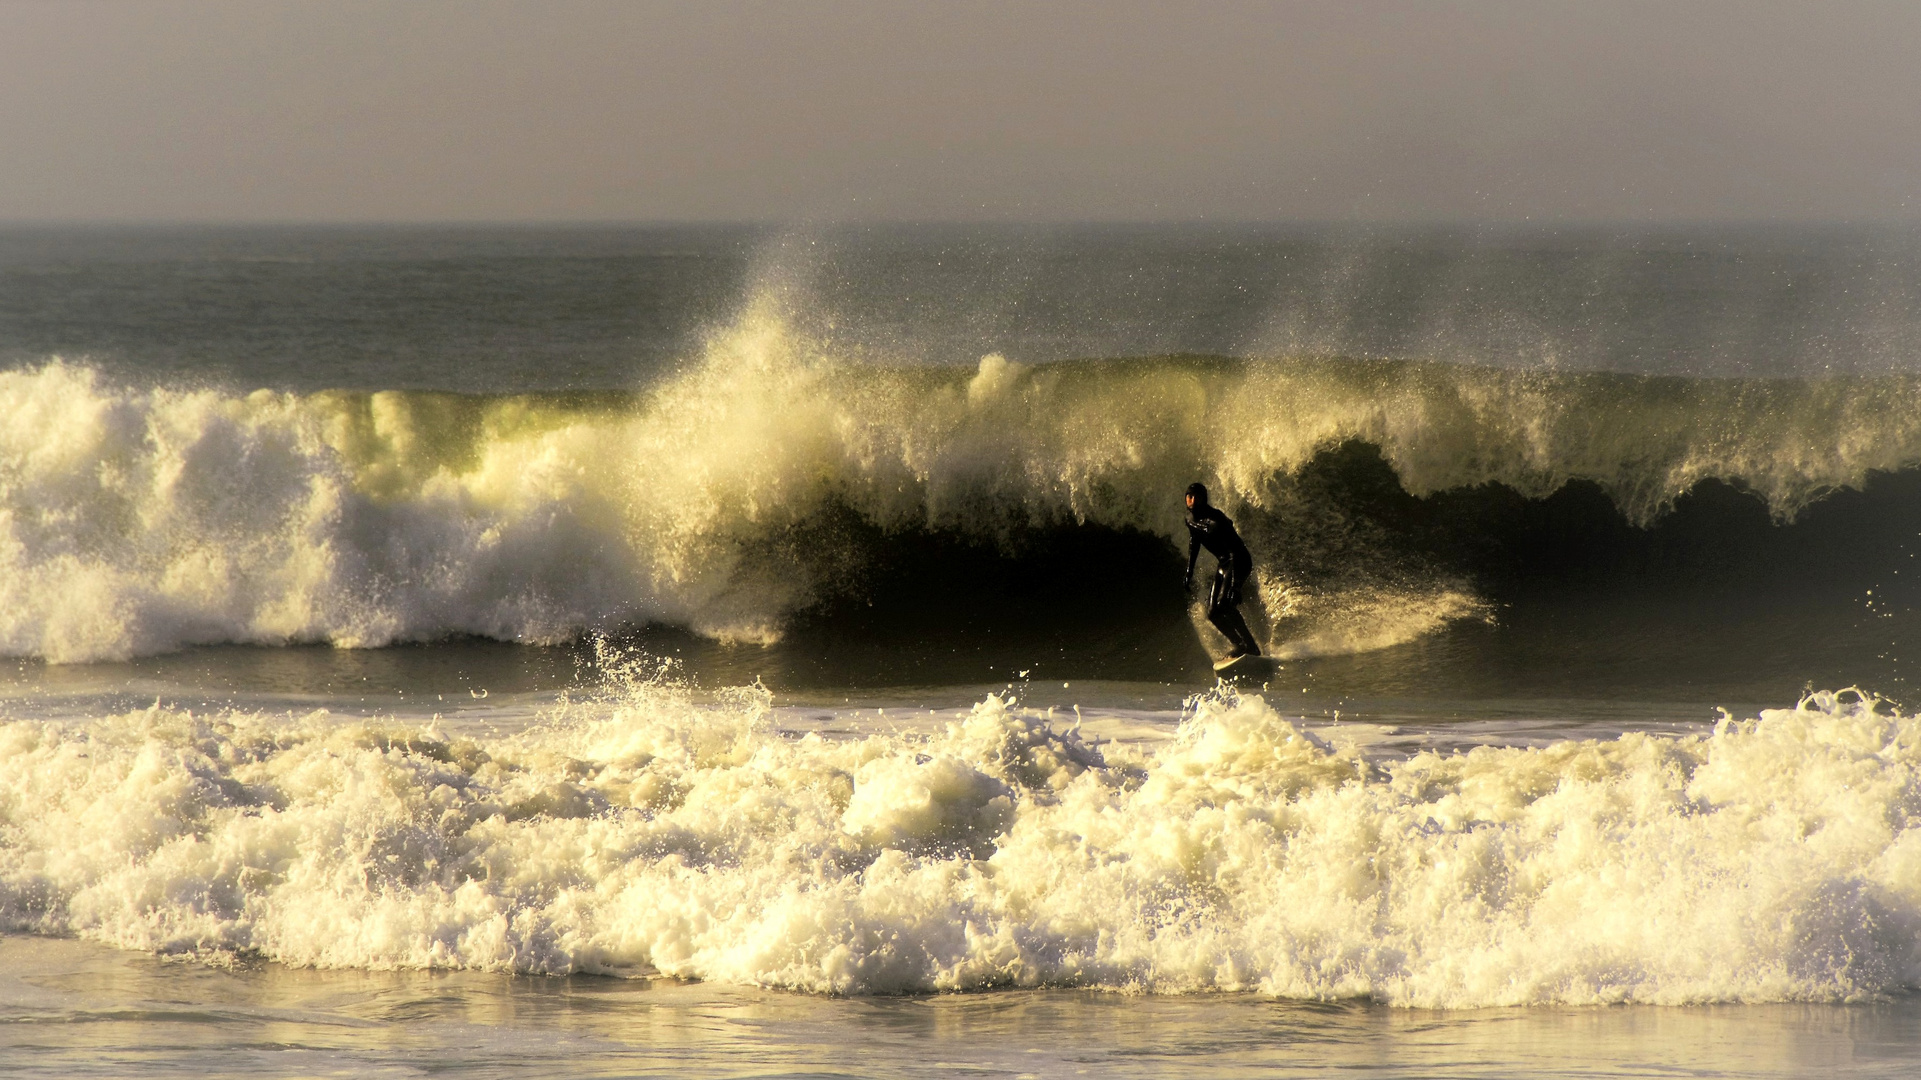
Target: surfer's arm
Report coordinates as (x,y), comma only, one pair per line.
(1193,554)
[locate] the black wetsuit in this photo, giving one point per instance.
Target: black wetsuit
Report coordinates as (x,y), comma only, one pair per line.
(1208,528)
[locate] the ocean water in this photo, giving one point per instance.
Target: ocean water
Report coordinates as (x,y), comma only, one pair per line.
(740,651)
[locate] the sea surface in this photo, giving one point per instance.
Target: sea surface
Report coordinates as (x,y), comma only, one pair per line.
(750,651)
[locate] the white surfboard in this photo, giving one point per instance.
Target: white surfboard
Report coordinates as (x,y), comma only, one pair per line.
(1247,665)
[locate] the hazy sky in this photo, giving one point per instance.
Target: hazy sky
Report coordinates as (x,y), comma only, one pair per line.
(561,110)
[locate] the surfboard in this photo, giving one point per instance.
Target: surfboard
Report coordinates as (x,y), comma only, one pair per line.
(1247,665)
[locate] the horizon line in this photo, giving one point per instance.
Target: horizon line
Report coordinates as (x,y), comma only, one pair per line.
(802,224)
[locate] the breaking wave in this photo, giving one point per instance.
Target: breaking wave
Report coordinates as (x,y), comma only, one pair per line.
(764,478)
(1772,859)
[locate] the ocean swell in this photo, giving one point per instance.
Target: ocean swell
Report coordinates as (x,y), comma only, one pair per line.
(134,521)
(1773,859)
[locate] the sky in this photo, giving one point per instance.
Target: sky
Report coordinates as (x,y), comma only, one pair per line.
(574,110)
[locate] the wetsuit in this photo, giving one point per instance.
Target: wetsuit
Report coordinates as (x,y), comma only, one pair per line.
(1208,528)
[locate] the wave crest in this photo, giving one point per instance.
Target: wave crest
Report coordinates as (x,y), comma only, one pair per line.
(134,521)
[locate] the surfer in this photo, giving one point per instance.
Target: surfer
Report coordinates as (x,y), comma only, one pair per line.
(1208,528)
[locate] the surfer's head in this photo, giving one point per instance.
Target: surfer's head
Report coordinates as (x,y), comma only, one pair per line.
(1196,495)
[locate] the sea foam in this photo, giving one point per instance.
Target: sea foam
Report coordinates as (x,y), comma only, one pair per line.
(139,520)
(646,830)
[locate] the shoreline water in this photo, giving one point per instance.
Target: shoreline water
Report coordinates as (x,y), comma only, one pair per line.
(72,1009)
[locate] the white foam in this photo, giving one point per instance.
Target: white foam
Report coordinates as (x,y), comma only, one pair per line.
(140,520)
(1774,859)
(1361,619)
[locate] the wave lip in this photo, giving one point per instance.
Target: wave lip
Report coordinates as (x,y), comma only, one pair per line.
(1772,859)
(753,485)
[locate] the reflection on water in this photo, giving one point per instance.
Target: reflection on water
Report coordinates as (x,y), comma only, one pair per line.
(1673,658)
(73,1009)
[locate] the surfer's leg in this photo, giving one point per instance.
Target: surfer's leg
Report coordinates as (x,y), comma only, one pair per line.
(1235,627)
(1226,617)
(1218,615)
(1234,612)
(1223,610)
(1215,616)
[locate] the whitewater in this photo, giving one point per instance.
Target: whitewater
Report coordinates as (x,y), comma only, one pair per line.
(644,830)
